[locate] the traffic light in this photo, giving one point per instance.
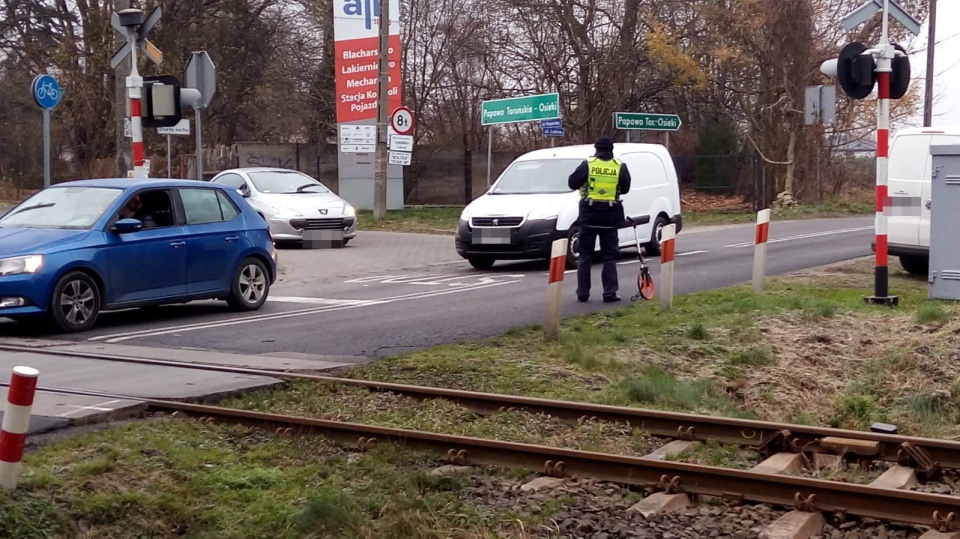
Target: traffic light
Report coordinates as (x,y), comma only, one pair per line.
(164,100)
(857,74)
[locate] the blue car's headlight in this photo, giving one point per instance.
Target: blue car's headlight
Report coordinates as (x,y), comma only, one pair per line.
(20,264)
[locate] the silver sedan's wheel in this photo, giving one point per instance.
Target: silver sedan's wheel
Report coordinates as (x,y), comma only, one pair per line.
(251,284)
(75,302)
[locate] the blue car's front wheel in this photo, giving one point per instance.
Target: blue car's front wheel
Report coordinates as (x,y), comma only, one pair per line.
(75,302)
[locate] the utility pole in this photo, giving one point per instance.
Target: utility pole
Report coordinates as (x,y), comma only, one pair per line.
(380,181)
(928,85)
(124,152)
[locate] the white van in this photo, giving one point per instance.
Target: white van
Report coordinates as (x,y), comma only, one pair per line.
(530,205)
(908,226)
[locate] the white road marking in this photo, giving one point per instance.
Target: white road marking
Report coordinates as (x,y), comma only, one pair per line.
(315,301)
(252,318)
(688,253)
(277,316)
(801,236)
(435,279)
(99,407)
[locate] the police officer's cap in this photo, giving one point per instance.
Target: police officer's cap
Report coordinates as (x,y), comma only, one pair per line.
(603,144)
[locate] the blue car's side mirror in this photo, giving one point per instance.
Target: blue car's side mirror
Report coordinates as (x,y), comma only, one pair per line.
(127,225)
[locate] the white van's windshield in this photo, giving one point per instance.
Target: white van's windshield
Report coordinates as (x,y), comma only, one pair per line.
(539,176)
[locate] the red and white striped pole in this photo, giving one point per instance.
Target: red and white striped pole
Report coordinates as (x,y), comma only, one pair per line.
(668,251)
(135,94)
(558,260)
(881,271)
(760,250)
(137,129)
(16,422)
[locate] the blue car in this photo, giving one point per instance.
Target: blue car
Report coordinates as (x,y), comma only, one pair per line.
(78,248)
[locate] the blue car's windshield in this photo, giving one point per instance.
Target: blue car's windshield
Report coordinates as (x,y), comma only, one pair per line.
(61,207)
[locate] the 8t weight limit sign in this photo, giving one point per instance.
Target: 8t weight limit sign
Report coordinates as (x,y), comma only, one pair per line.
(402,121)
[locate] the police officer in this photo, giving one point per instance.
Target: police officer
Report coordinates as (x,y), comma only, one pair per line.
(601,180)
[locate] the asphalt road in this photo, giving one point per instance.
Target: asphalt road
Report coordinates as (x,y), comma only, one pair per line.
(372,316)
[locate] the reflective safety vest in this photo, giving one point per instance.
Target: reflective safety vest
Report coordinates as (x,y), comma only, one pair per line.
(602,180)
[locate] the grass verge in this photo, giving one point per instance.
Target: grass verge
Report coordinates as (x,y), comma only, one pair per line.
(843,206)
(422,220)
(808,351)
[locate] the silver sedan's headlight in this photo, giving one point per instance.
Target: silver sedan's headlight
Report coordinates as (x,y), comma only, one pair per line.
(281,212)
(20,264)
(349,211)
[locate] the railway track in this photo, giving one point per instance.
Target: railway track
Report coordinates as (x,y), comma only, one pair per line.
(928,455)
(769,483)
(653,474)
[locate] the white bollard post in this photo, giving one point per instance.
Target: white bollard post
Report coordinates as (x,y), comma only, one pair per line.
(558,260)
(16,422)
(668,252)
(760,250)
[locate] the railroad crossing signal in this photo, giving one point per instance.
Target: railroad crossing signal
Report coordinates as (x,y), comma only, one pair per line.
(856,67)
(127,21)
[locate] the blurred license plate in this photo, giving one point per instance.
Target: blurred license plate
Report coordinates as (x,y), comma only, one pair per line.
(498,236)
(322,239)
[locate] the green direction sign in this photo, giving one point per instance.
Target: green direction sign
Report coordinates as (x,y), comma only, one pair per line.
(646,122)
(520,109)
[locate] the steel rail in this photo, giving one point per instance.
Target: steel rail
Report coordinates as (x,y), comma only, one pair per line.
(842,499)
(928,454)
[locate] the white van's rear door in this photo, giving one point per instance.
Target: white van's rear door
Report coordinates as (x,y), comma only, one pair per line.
(908,158)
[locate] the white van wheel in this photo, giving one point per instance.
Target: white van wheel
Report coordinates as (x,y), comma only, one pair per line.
(653,248)
(915,265)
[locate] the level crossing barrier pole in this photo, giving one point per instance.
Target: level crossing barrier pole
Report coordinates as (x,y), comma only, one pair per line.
(558,260)
(760,250)
(668,250)
(16,422)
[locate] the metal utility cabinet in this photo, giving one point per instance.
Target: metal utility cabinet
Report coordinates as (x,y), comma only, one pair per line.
(944,276)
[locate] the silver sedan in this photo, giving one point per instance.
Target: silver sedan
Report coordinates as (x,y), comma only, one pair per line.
(292,202)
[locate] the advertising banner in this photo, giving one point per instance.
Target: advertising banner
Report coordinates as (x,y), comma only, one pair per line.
(356,34)
(356,45)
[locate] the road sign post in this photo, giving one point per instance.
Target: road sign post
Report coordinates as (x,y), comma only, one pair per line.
(134,27)
(514,110)
(891,60)
(47,94)
(820,107)
(201,74)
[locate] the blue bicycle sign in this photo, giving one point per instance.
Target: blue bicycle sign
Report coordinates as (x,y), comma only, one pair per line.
(46,91)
